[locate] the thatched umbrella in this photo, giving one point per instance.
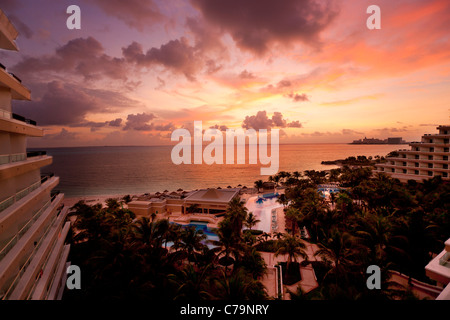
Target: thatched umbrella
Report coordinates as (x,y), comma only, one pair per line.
(179,190)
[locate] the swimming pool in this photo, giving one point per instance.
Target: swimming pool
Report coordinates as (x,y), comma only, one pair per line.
(200,225)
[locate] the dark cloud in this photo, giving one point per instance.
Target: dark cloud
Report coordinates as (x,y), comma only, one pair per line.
(221,127)
(140,122)
(81,56)
(257,24)
(137,14)
(246,75)
(295,124)
(65,104)
(298,97)
(262,121)
(176,55)
(97,125)
(63,135)
(115,123)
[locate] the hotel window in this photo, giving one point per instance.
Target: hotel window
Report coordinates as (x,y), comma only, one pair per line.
(445,166)
(430,165)
(404,164)
(417,148)
(445,149)
(392,170)
(431,149)
(416,164)
(431,141)
(445,174)
(430,173)
(445,158)
(416,172)
(446,141)
(416,156)
(430,157)
(404,170)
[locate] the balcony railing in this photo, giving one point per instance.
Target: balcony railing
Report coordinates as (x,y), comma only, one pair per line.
(9,115)
(23,119)
(22,231)
(31,154)
(18,195)
(9,158)
(14,283)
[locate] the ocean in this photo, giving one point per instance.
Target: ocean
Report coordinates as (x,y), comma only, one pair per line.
(89,171)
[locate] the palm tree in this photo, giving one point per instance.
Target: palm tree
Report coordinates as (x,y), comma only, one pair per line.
(253,262)
(192,284)
(293,215)
(341,249)
(190,241)
(238,286)
(251,221)
(293,247)
(259,184)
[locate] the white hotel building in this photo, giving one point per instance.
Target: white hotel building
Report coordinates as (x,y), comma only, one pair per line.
(33,226)
(426,159)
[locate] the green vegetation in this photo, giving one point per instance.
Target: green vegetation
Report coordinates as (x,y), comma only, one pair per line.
(373,220)
(122,258)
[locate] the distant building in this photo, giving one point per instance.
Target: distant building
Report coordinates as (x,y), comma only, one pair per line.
(33,225)
(394,140)
(398,140)
(426,159)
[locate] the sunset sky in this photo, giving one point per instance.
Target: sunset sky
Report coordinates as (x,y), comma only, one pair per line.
(137,69)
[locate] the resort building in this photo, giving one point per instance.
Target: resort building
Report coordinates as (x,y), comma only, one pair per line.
(207,201)
(439,270)
(426,159)
(33,225)
(210,201)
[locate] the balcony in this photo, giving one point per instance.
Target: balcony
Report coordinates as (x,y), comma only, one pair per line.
(21,164)
(8,33)
(12,122)
(11,81)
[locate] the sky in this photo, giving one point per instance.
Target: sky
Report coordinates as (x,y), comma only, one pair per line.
(137,70)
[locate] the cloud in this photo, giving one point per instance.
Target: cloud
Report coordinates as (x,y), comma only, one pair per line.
(221,127)
(350,132)
(137,14)
(97,125)
(139,122)
(80,56)
(256,25)
(63,135)
(298,97)
(66,104)
(246,75)
(176,55)
(262,121)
